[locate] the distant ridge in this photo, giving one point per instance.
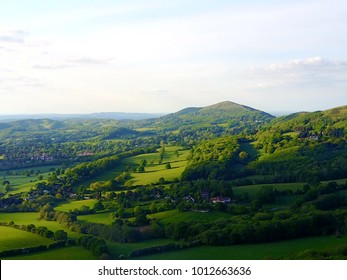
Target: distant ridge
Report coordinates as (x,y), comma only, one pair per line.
(102,115)
(227,114)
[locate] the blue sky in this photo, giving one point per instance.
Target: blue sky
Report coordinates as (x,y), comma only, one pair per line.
(161,56)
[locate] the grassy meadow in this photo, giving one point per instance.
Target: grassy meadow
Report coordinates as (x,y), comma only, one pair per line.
(154,171)
(33,218)
(276,250)
(101,218)
(174,216)
(116,249)
(21,182)
(66,253)
(11,238)
(75,204)
(252,190)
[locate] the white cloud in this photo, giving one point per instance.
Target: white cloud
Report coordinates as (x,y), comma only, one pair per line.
(120,62)
(308,72)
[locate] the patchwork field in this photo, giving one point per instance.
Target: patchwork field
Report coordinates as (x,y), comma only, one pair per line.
(174,216)
(101,218)
(75,204)
(276,250)
(33,218)
(66,253)
(252,190)
(154,171)
(117,249)
(11,238)
(21,182)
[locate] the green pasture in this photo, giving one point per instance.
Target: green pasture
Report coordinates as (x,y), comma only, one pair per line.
(283,201)
(23,183)
(152,174)
(66,253)
(75,204)
(100,218)
(153,158)
(252,190)
(116,249)
(33,218)
(174,216)
(154,171)
(276,250)
(11,238)
(106,176)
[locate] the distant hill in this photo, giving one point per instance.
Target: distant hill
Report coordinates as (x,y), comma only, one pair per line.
(32,125)
(226,114)
(322,123)
(103,115)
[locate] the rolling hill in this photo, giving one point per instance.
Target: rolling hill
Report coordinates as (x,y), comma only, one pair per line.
(230,116)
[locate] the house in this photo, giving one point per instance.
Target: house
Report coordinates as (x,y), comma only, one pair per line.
(189,197)
(220,199)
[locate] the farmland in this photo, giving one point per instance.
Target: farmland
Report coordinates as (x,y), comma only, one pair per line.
(11,238)
(223,181)
(33,218)
(277,250)
(68,253)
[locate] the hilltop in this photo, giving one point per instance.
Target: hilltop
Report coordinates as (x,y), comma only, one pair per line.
(226,115)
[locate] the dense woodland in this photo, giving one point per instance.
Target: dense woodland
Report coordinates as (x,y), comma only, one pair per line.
(264,179)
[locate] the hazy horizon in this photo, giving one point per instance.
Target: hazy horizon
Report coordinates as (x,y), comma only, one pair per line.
(81,57)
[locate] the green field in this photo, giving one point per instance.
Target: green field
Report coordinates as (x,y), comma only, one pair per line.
(11,238)
(75,204)
(276,250)
(252,190)
(101,218)
(117,249)
(152,174)
(33,218)
(23,183)
(66,253)
(174,216)
(154,171)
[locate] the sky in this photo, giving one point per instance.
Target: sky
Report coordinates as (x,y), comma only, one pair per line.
(84,56)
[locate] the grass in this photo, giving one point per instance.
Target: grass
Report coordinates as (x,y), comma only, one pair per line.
(116,249)
(33,218)
(22,183)
(100,218)
(11,238)
(276,250)
(75,204)
(152,174)
(154,171)
(283,201)
(174,216)
(252,190)
(66,253)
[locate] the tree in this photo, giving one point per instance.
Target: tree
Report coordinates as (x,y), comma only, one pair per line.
(60,235)
(141,220)
(162,180)
(153,208)
(7,188)
(143,162)
(137,210)
(6,182)
(168,166)
(243,156)
(98,206)
(141,169)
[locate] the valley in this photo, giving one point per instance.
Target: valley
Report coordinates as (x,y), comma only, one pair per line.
(187,185)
